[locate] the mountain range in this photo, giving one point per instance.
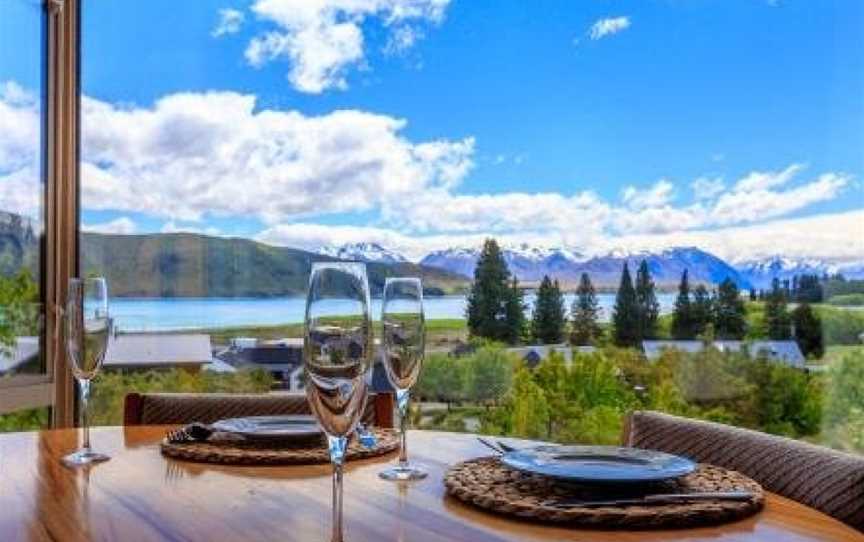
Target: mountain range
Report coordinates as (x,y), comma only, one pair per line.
(529,264)
(762,272)
(365,252)
(193,265)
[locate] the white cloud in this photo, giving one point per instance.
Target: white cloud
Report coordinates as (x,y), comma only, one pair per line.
(402,39)
(606,27)
(194,156)
(760,180)
(753,199)
(442,211)
(707,187)
(234,160)
(121,226)
(658,195)
(835,238)
(172,227)
(20,132)
(230,21)
(322,39)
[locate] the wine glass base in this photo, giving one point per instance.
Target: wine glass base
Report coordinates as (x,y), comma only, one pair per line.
(403,473)
(82,458)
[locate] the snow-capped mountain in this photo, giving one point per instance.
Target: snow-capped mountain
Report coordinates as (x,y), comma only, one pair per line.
(761,272)
(529,264)
(363,252)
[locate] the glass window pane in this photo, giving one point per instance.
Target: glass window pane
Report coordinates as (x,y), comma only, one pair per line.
(22,86)
(682,210)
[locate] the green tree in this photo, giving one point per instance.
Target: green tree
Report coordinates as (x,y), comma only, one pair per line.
(514,309)
(702,310)
(625,314)
(648,308)
(547,322)
(778,322)
(442,379)
(19,309)
(489,374)
(585,313)
(491,299)
(553,377)
(808,330)
(730,314)
(683,325)
(530,411)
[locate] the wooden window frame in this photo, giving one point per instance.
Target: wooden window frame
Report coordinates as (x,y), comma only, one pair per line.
(61,200)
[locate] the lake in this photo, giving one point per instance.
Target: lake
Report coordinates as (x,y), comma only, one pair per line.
(164,314)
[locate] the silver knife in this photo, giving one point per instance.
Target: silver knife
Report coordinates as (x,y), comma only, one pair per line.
(659,499)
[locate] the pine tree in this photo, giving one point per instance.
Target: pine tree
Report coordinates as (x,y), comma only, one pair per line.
(646,301)
(702,310)
(730,317)
(515,313)
(584,313)
(490,294)
(752,294)
(547,324)
(778,322)
(808,330)
(625,314)
(683,325)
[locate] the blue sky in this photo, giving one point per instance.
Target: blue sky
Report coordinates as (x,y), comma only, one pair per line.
(479,118)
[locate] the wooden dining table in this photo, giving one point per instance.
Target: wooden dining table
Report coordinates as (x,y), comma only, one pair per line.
(141,495)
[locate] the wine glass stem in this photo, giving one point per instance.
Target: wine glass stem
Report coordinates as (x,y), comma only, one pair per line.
(84,386)
(337,457)
(402,397)
(337,502)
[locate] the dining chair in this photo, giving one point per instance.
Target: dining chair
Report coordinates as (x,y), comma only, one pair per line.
(821,478)
(178,408)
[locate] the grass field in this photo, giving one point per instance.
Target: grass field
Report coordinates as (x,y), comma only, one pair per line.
(439,333)
(838,351)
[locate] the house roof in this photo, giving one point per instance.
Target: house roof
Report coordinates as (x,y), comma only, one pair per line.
(787,351)
(159,350)
(25,349)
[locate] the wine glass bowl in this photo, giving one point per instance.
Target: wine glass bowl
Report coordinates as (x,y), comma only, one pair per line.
(404,343)
(337,357)
(88,330)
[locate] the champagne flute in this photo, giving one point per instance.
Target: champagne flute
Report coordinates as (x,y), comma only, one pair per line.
(337,357)
(404,344)
(88,329)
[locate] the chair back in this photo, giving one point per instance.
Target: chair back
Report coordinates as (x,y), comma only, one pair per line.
(180,408)
(821,478)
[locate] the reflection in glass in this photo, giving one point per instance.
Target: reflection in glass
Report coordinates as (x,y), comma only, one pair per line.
(404,343)
(337,355)
(88,329)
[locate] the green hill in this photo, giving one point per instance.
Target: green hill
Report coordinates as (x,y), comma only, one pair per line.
(191,265)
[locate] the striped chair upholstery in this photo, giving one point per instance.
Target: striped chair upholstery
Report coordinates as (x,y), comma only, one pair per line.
(824,479)
(179,408)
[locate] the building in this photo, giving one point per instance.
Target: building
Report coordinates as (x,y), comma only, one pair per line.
(282,358)
(145,351)
(533,354)
(15,358)
(786,351)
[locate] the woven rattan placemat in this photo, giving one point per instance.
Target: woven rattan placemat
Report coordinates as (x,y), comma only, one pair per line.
(487,483)
(264,453)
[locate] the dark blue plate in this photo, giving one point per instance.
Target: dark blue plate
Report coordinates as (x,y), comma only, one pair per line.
(599,464)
